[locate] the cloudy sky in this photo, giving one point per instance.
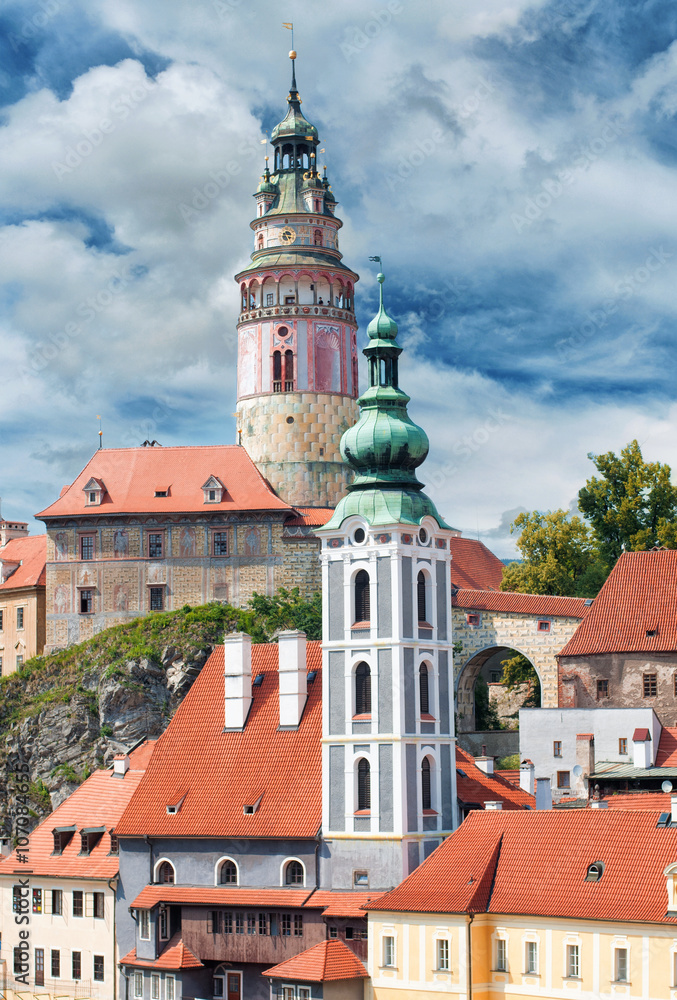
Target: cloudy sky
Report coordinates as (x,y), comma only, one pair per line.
(513,162)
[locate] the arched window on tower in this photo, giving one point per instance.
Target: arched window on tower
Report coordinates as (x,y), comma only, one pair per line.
(259,241)
(317,238)
(363,785)
(243,289)
(426,796)
(421,597)
(277,371)
(423,689)
(362,604)
(363,689)
(288,371)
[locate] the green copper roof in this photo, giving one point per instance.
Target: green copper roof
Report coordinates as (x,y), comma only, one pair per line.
(385,446)
(294,122)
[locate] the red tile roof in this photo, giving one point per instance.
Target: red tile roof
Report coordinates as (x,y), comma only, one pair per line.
(639,595)
(31,554)
(667,748)
(512,775)
(521,604)
(311,516)
(174,956)
(222,771)
(641,736)
(654,801)
(216,895)
(474,565)
(99,801)
(541,859)
(342,904)
(325,962)
(474,787)
(132,475)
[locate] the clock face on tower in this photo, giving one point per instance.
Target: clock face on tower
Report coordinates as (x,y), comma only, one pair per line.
(287,235)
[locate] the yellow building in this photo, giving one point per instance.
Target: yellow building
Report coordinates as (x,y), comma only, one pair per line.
(579,903)
(22,595)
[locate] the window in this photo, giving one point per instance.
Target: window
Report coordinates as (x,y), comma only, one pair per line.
(228,873)
(214,922)
(99,905)
(557,748)
(86,602)
(501,955)
(114,844)
(621,965)
(76,967)
(98,968)
(361,878)
(263,924)
(18,962)
(2,616)
(594,872)
(423,689)
(86,547)
(220,543)
(138,985)
(333,932)
(77,903)
(92,496)
(19,660)
(155,546)
(602,689)
(144,925)
(304,993)
(531,957)
(17,906)
(363,689)
(425,784)
(543,626)
(170,991)
(362,608)
(259,241)
(285,924)
(277,371)
(56,964)
(573,965)
(288,371)
(293,874)
(472,619)
(251,923)
(166,873)
(269,298)
(389,951)
(39,966)
(163,917)
(649,685)
(288,993)
(57,902)
(19,617)
(363,785)
(317,238)
(623,745)
(37,900)
(421,597)
(155,987)
(443,955)
(157,598)
(563,779)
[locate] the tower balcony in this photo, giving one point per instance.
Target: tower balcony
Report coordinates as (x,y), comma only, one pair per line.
(302,312)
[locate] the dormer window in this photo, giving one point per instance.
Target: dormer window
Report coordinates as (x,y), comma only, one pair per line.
(94,491)
(594,872)
(161,491)
(62,836)
(213,490)
(90,837)
(173,807)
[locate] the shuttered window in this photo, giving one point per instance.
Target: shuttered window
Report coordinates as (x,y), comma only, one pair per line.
(423,689)
(421,597)
(425,784)
(363,689)
(363,784)
(362,605)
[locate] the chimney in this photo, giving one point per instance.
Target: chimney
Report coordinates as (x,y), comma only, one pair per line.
(493,806)
(237,662)
(121,764)
(673,808)
(292,673)
(599,804)
(11,529)
(641,748)
(585,759)
(485,764)
(543,793)
(527,771)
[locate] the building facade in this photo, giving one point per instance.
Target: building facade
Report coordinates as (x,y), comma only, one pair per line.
(297,334)
(22,595)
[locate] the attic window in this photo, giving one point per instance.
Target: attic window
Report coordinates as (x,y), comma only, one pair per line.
(594,872)
(249,810)
(89,838)
(93,490)
(651,633)
(62,836)
(161,493)
(472,619)
(213,490)
(543,626)
(173,807)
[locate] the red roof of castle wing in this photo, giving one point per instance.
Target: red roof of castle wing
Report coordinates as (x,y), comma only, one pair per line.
(521,604)
(133,475)
(31,554)
(325,962)
(218,895)
(667,748)
(175,956)
(310,516)
(474,787)
(474,565)
(653,801)
(342,904)
(99,801)
(639,596)
(220,772)
(537,863)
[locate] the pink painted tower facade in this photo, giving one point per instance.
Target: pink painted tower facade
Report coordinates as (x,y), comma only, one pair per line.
(297,347)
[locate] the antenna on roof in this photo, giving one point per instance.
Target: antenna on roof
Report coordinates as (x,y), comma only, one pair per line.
(98,417)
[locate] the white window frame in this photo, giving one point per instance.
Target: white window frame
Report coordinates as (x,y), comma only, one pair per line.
(144,925)
(529,944)
(569,959)
(156,869)
(170,987)
(155,986)
(501,954)
(388,951)
(617,950)
(442,944)
(283,872)
(138,979)
(217,870)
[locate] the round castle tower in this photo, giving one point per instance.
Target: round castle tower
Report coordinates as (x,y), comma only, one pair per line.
(297,334)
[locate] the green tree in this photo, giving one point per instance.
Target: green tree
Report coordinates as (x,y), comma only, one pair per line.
(486,714)
(285,610)
(559,556)
(517,670)
(632,506)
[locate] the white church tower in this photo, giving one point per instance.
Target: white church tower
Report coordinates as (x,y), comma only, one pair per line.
(389,774)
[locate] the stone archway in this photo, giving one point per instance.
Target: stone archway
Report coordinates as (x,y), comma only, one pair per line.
(467,678)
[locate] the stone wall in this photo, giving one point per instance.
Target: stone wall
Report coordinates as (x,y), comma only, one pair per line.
(624,676)
(499,742)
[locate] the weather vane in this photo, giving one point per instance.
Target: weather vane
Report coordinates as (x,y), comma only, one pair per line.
(290,26)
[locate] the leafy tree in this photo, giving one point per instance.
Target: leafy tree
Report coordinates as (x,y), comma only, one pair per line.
(486,714)
(517,670)
(559,556)
(633,506)
(285,610)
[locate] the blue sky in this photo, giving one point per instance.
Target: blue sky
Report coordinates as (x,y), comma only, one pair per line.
(513,162)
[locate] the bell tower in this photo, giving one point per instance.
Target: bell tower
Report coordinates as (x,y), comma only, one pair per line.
(297,346)
(389,770)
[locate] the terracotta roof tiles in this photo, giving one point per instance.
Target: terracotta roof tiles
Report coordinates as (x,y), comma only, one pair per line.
(667,748)
(524,604)
(218,895)
(474,565)
(310,516)
(174,957)
(474,787)
(30,552)
(325,962)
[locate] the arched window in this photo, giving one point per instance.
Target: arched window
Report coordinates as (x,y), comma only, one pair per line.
(165,873)
(317,238)
(363,784)
(421,597)
(228,873)
(293,873)
(288,371)
(243,289)
(259,241)
(363,689)
(277,371)
(362,596)
(423,689)
(426,800)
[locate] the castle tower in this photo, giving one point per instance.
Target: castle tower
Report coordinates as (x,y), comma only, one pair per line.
(389,775)
(297,347)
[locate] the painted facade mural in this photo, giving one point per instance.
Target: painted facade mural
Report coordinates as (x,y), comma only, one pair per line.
(248,367)
(328,358)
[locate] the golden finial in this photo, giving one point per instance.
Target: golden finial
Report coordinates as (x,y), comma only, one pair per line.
(292,54)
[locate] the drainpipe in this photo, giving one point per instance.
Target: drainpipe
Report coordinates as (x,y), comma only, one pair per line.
(470,920)
(150,848)
(317,865)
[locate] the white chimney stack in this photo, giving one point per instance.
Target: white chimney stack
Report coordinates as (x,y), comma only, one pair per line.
(495,806)
(237,663)
(292,672)
(599,804)
(485,764)
(641,748)
(527,782)
(543,793)
(121,764)
(673,808)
